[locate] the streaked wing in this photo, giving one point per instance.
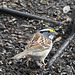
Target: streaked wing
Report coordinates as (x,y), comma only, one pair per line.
(38,42)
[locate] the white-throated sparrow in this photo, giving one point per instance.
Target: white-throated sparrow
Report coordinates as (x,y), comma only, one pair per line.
(39,46)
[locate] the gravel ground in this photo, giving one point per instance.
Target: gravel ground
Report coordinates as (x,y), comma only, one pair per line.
(15,32)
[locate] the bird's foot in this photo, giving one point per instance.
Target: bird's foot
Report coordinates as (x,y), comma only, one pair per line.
(41,64)
(28,59)
(44,64)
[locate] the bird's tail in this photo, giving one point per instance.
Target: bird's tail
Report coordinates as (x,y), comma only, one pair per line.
(21,55)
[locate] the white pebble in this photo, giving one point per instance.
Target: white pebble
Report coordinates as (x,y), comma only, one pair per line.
(66,9)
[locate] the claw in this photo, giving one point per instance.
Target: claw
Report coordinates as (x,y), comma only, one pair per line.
(44,64)
(28,59)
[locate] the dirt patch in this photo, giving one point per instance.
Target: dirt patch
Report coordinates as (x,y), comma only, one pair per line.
(15,32)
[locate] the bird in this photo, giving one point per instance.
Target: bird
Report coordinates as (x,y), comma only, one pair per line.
(39,46)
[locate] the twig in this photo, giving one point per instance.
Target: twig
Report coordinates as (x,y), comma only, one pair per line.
(60,50)
(26,15)
(66,42)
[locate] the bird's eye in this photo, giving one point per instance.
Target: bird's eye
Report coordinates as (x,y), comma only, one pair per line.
(44,31)
(41,31)
(48,31)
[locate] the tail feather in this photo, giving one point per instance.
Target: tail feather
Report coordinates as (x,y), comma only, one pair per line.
(21,55)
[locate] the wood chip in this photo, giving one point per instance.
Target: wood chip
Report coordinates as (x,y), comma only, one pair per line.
(10,28)
(4,0)
(4,4)
(72,67)
(29,4)
(53,18)
(28,26)
(67,20)
(65,53)
(0,70)
(1,43)
(13,34)
(58,18)
(73,55)
(21,37)
(57,39)
(12,20)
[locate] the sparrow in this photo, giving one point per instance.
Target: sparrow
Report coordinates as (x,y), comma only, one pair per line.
(39,46)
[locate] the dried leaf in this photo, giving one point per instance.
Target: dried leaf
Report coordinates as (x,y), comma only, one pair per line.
(58,18)
(22,37)
(4,4)
(4,0)
(73,55)
(57,39)
(28,26)
(0,70)
(10,28)
(53,18)
(12,20)
(29,4)
(1,43)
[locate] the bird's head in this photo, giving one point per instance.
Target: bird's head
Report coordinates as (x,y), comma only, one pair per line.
(49,33)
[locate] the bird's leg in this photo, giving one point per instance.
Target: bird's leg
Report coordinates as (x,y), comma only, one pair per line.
(28,59)
(39,64)
(43,64)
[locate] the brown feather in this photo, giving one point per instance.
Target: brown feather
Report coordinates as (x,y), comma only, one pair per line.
(38,42)
(21,55)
